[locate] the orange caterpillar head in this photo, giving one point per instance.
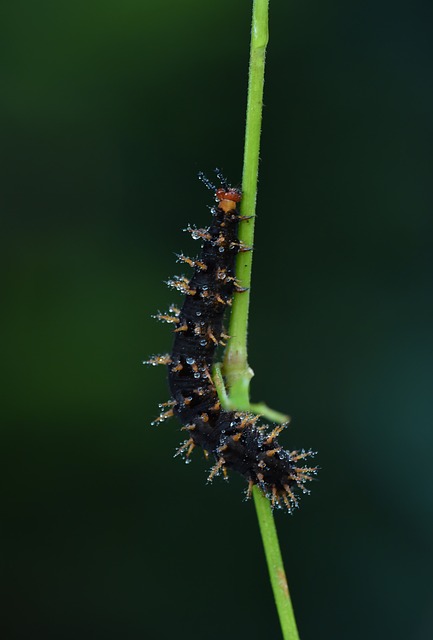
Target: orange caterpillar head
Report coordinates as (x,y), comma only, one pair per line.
(228,198)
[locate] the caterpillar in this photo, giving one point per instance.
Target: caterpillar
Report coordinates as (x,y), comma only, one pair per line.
(234,439)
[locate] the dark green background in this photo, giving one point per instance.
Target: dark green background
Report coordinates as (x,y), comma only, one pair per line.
(108,111)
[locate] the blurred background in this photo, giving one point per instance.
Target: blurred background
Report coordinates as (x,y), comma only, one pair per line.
(108,112)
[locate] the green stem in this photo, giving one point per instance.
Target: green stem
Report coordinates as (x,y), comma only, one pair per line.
(262,409)
(259,408)
(275,566)
(237,372)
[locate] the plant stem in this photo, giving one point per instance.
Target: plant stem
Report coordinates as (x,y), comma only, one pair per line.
(275,566)
(237,372)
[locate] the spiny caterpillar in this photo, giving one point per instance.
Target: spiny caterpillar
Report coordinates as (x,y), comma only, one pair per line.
(233,438)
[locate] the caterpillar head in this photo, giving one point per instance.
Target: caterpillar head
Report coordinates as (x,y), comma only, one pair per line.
(228,198)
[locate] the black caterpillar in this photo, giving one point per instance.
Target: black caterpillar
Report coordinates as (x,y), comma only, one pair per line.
(232,437)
